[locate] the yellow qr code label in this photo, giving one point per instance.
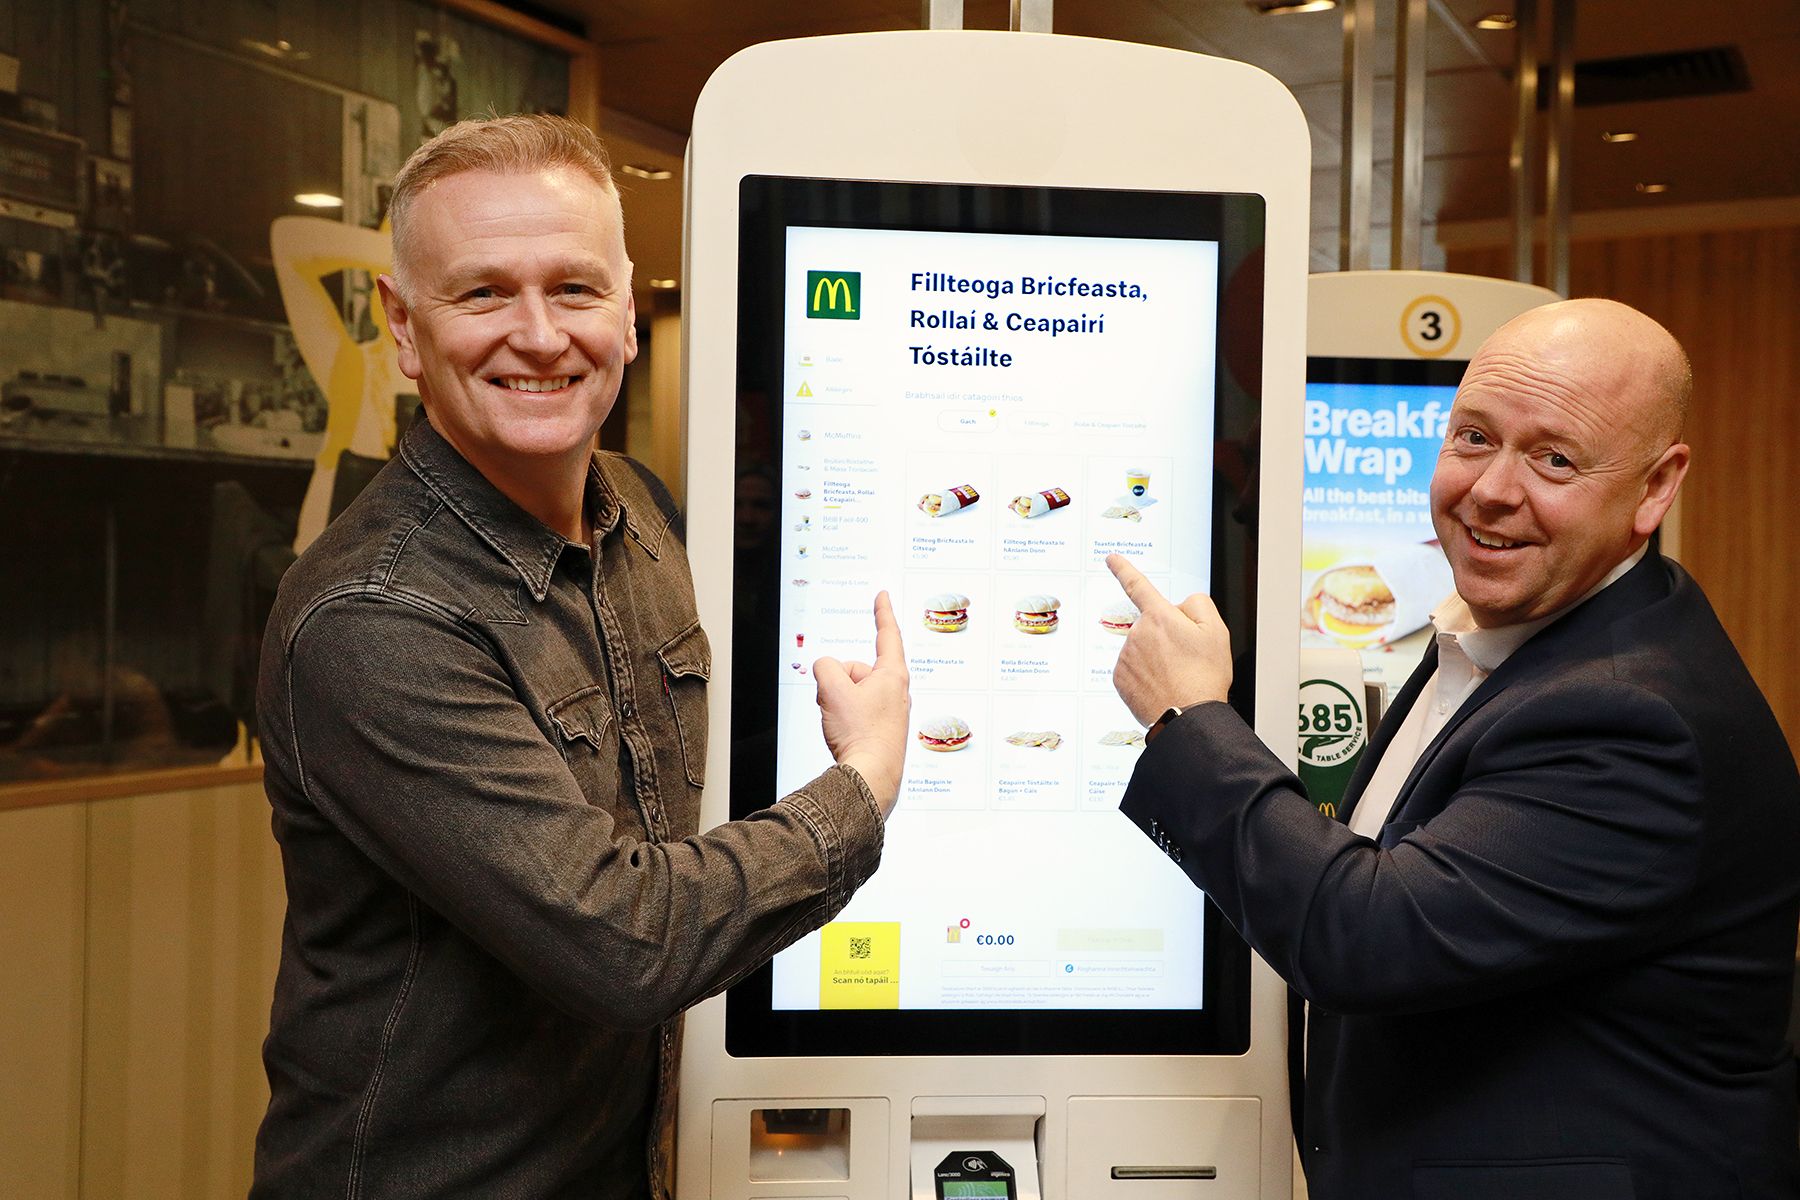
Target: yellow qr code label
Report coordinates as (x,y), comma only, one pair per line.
(859,964)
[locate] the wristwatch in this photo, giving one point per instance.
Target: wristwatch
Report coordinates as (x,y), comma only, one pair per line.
(1169,714)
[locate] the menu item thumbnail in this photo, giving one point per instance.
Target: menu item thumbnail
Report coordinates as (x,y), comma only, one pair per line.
(1123,737)
(1119,619)
(1036,504)
(1036,614)
(944,734)
(946,612)
(1123,512)
(1043,739)
(942,504)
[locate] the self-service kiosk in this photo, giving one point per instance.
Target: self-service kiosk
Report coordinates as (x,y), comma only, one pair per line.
(1385,351)
(966,312)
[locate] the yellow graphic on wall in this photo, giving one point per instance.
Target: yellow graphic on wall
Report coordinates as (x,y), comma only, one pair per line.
(360,379)
(859,964)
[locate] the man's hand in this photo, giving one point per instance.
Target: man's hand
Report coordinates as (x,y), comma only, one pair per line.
(864,709)
(1174,655)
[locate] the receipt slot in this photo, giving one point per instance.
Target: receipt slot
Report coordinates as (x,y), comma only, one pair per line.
(965,313)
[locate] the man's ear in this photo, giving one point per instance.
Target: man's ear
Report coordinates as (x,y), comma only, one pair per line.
(1660,488)
(631,346)
(399,321)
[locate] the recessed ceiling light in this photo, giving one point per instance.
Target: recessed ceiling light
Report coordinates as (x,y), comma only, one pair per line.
(643,172)
(1619,135)
(1283,8)
(319,200)
(280,48)
(1650,189)
(665,285)
(1497,21)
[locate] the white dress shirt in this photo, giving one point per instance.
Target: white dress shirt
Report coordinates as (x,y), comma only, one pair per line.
(1466,656)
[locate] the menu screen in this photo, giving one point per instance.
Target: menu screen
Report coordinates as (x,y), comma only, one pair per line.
(973,419)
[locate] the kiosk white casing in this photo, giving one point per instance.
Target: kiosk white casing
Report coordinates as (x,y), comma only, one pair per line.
(993,108)
(1410,314)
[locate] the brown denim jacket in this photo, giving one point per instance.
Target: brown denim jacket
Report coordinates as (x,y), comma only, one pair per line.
(485,748)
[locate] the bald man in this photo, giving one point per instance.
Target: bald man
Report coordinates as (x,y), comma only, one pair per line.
(1550,952)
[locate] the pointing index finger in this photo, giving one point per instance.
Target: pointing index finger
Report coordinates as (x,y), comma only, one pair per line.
(888,648)
(1140,590)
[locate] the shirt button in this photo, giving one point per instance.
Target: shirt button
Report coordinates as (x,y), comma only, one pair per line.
(627,710)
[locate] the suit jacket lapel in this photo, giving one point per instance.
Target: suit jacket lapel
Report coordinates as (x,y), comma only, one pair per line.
(1642,585)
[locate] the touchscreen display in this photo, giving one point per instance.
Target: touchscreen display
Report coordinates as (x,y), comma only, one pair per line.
(972,413)
(974,421)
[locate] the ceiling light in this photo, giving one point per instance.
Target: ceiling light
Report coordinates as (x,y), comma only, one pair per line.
(1283,8)
(643,172)
(280,48)
(1619,135)
(1650,189)
(319,200)
(1497,21)
(665,285)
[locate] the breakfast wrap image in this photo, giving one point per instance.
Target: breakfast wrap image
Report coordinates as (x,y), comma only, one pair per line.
(1036,504)
(949,500)
(1373,598)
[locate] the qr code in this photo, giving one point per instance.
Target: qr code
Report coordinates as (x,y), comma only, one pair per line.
(859,947)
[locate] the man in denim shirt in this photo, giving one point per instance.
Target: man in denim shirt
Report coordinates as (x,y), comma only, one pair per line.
(484,717)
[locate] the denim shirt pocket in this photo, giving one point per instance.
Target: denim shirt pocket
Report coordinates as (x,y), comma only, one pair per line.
(687,665)
(587,734)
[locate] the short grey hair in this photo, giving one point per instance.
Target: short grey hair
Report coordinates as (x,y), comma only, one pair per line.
(504,145)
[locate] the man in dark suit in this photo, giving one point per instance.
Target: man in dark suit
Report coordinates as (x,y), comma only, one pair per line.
(1550,953)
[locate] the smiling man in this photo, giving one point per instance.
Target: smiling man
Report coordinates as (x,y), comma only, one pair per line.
(1550,955)
(484,716)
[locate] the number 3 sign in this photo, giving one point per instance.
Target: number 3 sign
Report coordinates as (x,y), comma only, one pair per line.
(1431,326)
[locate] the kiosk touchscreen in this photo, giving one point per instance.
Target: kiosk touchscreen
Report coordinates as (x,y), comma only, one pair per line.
(958,331)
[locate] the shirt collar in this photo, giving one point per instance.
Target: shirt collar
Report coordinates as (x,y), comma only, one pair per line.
(529,546)
(1488,648)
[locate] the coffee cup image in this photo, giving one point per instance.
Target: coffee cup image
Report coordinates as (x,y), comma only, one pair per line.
(947,612)
(944,734)
(1036,613)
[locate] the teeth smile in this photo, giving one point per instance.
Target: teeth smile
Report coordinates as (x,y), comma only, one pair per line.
(521,384)
(1492,542)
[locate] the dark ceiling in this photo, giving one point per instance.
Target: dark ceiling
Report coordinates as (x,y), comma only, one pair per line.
(1737,145)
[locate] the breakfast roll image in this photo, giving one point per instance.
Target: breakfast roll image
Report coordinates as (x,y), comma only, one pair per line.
(1368,601)
(1036,504)
(940,504)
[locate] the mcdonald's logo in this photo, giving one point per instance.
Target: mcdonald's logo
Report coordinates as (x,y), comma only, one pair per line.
(834,295)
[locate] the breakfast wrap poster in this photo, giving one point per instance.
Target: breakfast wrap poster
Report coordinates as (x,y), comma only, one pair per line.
(1372,570)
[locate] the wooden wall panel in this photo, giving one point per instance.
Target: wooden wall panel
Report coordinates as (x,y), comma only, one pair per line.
(1733,298)
(138,945)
